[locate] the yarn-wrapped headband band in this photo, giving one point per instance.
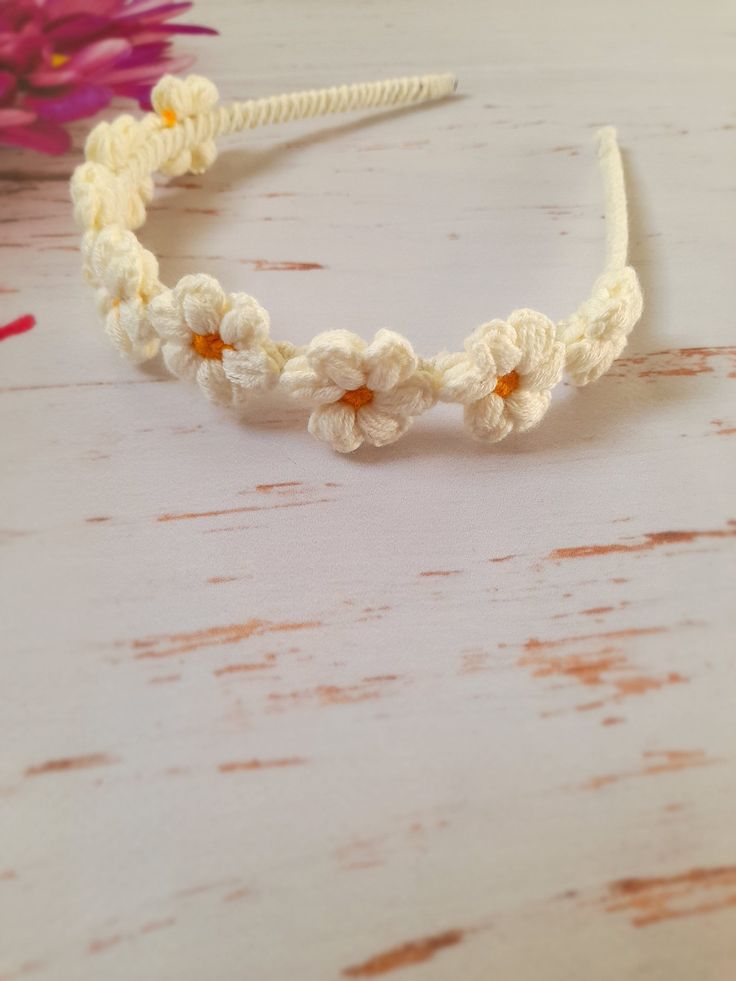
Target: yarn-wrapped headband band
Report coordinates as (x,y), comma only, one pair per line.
(358,391)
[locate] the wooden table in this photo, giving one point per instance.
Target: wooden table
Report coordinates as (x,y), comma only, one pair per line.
(437,711)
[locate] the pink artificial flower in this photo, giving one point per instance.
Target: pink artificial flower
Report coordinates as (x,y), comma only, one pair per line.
(64,59)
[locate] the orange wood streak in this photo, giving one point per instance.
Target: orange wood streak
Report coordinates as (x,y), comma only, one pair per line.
(158,925)
(665,761)
(190,515)
(97,946)
(606,666)
(268,661)
(267,488)
(675,362)
(268,265)
(651,541)
(533,644)
(235,895)
(654,900)
(366,690)
(163,679)
(413,952)
(239,766)
(442,572)
(71,763)
(169,645)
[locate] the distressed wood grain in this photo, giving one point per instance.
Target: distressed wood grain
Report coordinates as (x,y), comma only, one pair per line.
(433,711)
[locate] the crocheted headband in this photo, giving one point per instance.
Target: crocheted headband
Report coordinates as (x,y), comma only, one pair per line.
(358,391)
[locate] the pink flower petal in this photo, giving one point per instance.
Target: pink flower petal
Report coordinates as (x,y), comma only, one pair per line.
(42,136)
(16,117)
(56,9)
(185,29)
(99,55)
(7,86)
(150,73)
(77,30)
(80,102)
(140,7)
(51,78)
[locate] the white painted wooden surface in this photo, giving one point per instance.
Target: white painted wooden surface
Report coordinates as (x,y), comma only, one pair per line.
(435,711)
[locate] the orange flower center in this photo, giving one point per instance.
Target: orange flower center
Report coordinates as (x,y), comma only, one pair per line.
(507,384)
(210,345)
(169,117)
(59,60)
(358,397)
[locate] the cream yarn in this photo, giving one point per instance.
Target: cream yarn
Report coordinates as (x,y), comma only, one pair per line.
(506,374)
(218,340)
(358,392)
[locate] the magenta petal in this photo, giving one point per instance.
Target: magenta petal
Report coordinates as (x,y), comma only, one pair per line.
(56,9)
(143,54)
(80,102)
(149,74)
(42,136)
(141,7)
(7,86)
(185,29)
(52,78)
(99,55)
(16,117)
(76,30)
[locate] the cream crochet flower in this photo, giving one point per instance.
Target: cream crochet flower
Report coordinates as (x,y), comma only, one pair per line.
(218,340)
(505,375)
(125,276)
(361,393)
(102,197)
(176,99)
(598,332)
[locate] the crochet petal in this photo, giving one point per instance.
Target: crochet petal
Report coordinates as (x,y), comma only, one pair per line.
(336,424)
(302,382)
(129,335)
(253,368)
(337,356)
(526,409)
(167,318)
(181,360)
(245,323)
(548,372)
(461,380)
(184,96)
(535,335)
(134,320)
(488,420)
(388,360)
(381,428)
(587,360)
(493,349)
(413,397)
(214,383)
(202,302)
